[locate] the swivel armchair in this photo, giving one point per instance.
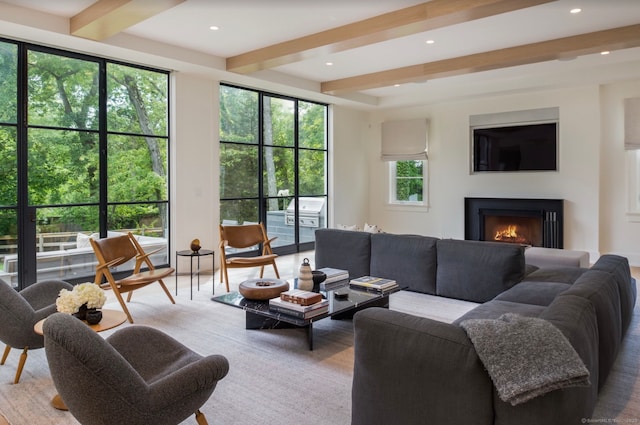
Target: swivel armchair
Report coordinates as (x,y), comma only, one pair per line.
(137,376)
(19,311)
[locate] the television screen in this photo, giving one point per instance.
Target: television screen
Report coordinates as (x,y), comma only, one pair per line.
(530,147)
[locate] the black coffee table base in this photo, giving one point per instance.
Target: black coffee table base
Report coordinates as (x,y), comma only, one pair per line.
(259,316)
(258,321)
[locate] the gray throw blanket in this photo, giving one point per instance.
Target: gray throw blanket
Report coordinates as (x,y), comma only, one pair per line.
(525,356)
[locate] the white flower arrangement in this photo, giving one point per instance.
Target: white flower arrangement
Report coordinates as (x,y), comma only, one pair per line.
(85,293)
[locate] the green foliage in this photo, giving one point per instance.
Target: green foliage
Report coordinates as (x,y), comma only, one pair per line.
(239,172)
(63,107)
(409,180)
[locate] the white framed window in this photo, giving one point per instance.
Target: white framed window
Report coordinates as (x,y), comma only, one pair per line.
(408,182)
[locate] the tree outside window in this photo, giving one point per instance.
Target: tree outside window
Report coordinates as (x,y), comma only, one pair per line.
(407,182)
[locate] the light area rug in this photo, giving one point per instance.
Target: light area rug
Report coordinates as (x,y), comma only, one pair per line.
(273,377)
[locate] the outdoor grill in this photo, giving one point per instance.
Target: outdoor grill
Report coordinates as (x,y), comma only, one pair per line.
(309,214)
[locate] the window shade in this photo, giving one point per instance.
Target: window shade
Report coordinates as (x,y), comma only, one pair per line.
(404,140)
(632,123)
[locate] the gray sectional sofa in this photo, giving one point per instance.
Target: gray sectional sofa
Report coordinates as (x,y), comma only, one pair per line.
(414,370)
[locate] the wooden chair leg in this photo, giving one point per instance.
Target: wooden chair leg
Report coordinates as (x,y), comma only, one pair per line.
(23,359)
(226,278)
(276,270)
(166,291)
(200,418)
(6,353)
(123,305)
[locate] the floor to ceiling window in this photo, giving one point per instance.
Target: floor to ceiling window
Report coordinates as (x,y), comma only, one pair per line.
(273,165)
(84,154)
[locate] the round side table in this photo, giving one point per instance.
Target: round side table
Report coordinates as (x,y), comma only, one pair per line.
(192,255)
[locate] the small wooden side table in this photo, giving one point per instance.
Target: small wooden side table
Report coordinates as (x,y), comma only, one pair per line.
(110,320)
(192,255)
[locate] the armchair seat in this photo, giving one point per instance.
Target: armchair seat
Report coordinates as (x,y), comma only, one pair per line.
(137,376)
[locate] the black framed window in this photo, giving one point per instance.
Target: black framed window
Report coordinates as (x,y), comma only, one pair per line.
(84,149)
(273,165)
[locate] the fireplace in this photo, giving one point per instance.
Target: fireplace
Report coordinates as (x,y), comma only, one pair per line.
(535,222)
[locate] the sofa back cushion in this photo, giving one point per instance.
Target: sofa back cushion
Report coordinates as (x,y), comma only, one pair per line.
(618,266)
(409,259)
(343,249)
(477,271)
(601,289)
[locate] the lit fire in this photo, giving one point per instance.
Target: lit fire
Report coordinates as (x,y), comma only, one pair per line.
(510,232)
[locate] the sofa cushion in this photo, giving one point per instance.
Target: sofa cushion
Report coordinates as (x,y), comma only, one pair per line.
(332,244)
(496,308)
(415,370)
(619,267)
(556,274)
(601,289)
(531,292)
(576,319)
(409,259)
(477,271)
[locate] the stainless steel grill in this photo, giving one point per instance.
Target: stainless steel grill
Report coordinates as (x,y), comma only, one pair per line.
(309,214)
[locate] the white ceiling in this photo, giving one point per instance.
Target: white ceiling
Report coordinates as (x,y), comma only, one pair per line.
(246,25)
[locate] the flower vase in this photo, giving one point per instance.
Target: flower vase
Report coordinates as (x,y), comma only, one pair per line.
(94,316)
(81,313)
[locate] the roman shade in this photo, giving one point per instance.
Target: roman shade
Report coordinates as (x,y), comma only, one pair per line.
(404,140)
(632,123)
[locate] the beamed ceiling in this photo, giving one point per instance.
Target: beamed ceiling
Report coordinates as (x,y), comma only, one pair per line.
(376,52)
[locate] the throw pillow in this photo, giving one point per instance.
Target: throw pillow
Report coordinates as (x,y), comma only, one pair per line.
(372,228)
(82,241)
(353,227)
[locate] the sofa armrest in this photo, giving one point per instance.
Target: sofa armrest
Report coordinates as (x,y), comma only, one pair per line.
(413,370)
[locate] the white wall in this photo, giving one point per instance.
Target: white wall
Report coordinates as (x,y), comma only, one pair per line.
(194,168)
(577,181)
(617,234)
(348,166)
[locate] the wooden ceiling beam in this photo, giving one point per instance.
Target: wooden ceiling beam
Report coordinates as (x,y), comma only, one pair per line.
(400,23)
(105,18)
(562,48)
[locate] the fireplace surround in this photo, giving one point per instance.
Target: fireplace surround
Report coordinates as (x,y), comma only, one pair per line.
(534,222)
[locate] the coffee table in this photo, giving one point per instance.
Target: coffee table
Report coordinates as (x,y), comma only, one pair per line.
(259,316)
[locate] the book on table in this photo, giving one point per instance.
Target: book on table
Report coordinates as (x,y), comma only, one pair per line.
(333,274)
(298,296)
(297,310)
(335,278)
(372,283)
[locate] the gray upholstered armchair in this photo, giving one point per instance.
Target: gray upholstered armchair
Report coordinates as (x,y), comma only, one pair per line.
(19,311)
(138,375)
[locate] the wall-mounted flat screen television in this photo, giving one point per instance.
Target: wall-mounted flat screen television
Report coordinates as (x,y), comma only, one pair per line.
(527,147)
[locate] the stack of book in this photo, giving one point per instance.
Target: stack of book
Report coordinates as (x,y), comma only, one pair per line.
(373,284)
(299,303)
(335,278)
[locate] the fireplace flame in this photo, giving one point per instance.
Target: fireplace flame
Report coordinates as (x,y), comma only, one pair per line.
(509,232)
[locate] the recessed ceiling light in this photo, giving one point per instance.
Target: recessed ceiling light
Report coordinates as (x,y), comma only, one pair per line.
(396,85)
(575,10)
(329,63)
(430,41)
(214,28)
(606,52)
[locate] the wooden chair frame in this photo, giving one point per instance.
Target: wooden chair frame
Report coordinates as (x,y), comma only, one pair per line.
(245,236)
(114,251)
